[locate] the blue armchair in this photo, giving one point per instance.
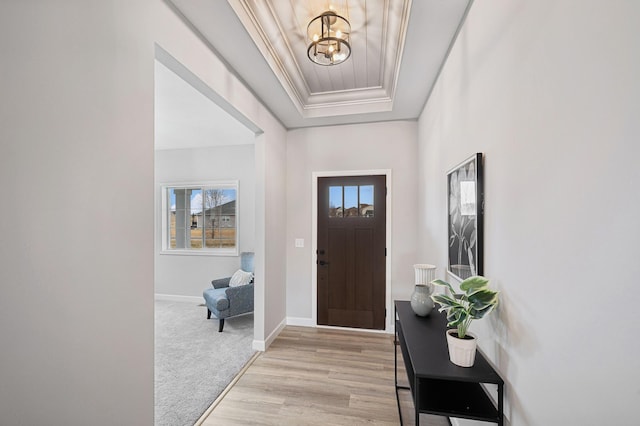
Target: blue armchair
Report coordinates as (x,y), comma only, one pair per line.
(224,301)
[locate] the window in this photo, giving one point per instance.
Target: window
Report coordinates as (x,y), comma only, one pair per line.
(351,201)
(200,218)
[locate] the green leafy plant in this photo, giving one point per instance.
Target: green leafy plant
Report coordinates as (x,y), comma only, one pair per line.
(462,308)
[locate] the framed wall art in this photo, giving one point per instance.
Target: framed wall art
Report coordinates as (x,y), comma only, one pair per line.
(466,211)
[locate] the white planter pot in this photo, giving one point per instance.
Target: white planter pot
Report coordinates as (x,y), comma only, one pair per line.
(462,352)
(424,273)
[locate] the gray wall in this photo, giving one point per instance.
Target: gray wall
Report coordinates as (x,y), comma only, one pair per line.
(183,275)
(76,259)
(549,92)
(185,50)
(389,145)
(76,132)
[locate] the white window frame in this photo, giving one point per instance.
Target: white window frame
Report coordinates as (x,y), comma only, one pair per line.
(165,223)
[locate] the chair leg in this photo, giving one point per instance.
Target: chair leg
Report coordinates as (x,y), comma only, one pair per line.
(208,313)
(221,325)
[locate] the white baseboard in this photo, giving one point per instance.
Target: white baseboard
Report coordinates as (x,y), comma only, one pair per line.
(359,330)
(262,345)
(302,322)
(176,298)
(258,345)
(309,322)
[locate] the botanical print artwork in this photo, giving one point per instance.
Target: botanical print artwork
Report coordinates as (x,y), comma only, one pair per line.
(463,220)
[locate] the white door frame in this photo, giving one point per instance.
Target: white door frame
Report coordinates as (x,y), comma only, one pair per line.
(314,243)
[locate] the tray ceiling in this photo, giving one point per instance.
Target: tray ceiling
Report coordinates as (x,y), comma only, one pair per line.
(364,83)
(398,49)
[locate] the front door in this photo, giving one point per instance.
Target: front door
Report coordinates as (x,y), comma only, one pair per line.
(351,252)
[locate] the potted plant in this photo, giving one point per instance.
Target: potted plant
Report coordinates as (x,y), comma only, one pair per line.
(476,301)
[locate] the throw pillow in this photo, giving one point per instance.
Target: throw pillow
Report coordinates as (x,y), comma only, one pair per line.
(240,277)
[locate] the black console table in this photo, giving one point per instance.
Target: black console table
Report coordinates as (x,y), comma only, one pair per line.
(438,386)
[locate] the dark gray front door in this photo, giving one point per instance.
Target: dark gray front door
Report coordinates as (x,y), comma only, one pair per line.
(351,251)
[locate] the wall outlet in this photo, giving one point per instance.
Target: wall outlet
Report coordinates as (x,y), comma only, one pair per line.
(299,242)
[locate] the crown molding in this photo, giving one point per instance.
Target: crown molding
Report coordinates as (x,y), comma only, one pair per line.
(263,24)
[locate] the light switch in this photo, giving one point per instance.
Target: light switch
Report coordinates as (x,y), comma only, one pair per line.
(299,242)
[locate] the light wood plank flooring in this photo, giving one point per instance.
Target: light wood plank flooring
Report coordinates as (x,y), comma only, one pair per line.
(312,376)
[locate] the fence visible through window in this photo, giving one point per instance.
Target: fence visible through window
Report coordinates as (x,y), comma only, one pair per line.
(201,218)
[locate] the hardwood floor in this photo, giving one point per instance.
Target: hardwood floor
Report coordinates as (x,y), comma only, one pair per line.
(313,376)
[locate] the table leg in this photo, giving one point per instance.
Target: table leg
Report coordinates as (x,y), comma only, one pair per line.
(416,399)
(500,404)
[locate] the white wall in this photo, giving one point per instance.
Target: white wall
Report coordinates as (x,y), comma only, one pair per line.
(549,92)
(389,145)
(183,275)
(76,259)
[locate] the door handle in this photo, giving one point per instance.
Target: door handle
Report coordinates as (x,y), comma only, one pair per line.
(322,263)
(320,251)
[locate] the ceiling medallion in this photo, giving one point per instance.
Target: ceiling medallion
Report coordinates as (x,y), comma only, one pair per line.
(329,35)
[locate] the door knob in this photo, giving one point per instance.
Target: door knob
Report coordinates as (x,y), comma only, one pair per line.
(322,263)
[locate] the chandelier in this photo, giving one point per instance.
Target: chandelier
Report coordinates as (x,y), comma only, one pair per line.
(329,35)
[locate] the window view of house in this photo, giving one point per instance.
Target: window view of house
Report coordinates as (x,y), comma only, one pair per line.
(201,218)
(351,201)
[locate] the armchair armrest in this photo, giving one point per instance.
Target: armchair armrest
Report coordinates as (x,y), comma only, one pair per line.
(221,283)
(240,299)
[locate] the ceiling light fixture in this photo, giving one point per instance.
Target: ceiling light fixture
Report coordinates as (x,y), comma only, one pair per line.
(329,35)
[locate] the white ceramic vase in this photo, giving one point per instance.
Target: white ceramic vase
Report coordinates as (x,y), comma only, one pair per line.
(462,352)
(421,302)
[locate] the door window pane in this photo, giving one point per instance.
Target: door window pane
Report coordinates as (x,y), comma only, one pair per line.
(335,201)
(366,201)
(350,201)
